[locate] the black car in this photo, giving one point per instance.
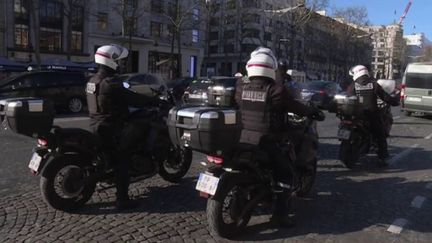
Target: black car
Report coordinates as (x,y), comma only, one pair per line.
(143,83)
(65,89)
(179,86)
(211,91)
(319,92)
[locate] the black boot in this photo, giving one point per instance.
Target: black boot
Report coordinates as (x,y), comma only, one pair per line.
(280,217)
(126,203)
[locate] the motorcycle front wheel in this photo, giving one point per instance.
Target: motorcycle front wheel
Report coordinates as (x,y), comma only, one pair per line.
(347,155)
(224,212)
(65,184)
(175,166)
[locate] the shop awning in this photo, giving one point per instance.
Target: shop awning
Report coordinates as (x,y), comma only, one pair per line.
(11,66)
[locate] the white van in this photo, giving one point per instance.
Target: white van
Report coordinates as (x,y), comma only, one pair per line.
(416,94)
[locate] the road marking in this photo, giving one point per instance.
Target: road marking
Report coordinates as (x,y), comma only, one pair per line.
(71,119)
(402,154)
(428,136)
(397,226)
(396,117)
(418,201)
(429,186)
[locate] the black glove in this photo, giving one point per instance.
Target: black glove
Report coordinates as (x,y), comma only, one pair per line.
(317,114)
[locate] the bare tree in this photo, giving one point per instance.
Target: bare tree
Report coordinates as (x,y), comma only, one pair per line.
(130,12)
(74,11)
(182,19)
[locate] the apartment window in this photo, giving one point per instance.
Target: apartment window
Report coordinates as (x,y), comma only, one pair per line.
(229,34)
(195,14)
(268,6)
(252,33)
(214,35)
(50,39)
(171,9)
(130,26)
(251,4)
(20,10)
(156,29)
(268,36)
(230,19)
(77,17)
(251,18)
(169,30)
(229,48)
(214,21)
(195,36)
(248,48)
(102,21)
(21,36)
(76,41)
(157,6)
(231,4)
(213,49)
(51,14)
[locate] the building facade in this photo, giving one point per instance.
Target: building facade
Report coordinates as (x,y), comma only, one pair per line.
(2,29)
(237,27)
(388,51)
(416,45)
(149,28)
(332,47)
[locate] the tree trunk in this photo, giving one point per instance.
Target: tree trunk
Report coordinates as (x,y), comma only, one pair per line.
(33,7)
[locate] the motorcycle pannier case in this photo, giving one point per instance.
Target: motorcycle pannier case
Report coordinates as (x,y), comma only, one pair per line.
(349,105)
(29,116)
(221,96)
(209,130)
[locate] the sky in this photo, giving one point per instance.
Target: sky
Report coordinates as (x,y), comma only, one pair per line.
(382,12)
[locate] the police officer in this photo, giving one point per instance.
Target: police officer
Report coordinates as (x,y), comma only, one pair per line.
(108,103)
(263,105)
(368,91)
(284,78)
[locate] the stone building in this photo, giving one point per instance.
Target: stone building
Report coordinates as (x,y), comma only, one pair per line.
(2,28)
(144,26)
(416,44)
(237,27)
(388,51)
(332,47)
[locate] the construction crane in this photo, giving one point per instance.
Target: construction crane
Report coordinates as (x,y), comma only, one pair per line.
(402,18)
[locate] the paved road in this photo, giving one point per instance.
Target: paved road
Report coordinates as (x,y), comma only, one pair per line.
(366,204)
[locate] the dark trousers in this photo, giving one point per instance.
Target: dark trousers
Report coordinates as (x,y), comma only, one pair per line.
(378,131)
(118,144)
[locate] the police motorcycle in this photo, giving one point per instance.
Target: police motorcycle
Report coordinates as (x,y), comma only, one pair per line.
(239,177)
(354,133)
(70,161)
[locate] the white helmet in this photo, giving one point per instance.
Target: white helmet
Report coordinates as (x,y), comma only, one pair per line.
(262,63)
(108,55)
(358,71)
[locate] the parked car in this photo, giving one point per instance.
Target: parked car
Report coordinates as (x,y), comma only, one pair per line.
(320,92)
(65,89)
(143,83)
(416,94)
(218,90)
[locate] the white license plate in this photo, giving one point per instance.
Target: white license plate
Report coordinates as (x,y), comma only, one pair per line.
(207,183)
(414,99)
(35,162)
(344,134)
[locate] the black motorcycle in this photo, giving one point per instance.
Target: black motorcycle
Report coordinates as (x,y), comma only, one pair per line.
(242,180)
(71,163)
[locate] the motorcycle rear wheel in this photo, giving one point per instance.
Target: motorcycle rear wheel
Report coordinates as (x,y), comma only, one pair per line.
(65,185)
(223,213)
(176,165)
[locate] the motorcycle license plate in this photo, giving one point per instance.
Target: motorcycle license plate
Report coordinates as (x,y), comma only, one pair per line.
(207,183)
(35,162)
(344,134)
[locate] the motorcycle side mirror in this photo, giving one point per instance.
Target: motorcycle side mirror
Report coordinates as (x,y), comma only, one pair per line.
(126,85)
